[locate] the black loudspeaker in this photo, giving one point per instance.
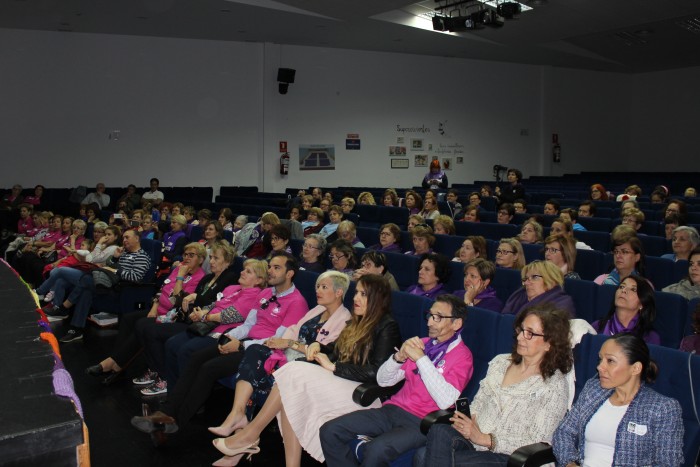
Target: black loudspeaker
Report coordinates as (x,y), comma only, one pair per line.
(285,76)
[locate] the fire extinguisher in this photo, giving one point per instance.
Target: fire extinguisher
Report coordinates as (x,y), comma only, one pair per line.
(284,164)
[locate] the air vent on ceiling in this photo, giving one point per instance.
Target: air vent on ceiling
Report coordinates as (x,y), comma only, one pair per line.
(630,39)
(690,24)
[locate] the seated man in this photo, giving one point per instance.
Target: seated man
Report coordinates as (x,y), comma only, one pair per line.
(436,370)
(572,216)
(99,197)
(586,209)
(551,207)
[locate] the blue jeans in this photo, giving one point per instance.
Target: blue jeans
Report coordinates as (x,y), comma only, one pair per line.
(447,447)
(60,279)
(394,431)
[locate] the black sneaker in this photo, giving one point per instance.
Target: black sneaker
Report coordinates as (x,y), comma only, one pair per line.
(57,313)
(72,335)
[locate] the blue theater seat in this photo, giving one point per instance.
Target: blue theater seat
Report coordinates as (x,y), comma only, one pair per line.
(404,268)
(506,282)
(589,263)
(584,294)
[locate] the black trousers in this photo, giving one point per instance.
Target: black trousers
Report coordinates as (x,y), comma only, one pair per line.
(128,346)
(203,370)
(153,335)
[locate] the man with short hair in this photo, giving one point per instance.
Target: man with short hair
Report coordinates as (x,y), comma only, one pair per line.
(153,195)
(571,215)
(99,197)
(435,369)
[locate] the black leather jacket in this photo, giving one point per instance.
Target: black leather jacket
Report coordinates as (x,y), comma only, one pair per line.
(386,337)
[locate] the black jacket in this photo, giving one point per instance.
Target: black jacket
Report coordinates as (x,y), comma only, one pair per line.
(386,337)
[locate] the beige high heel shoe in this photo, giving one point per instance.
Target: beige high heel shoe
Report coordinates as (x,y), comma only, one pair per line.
(233,456)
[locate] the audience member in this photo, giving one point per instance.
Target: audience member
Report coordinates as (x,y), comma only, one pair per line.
(684,240)
(509,254)
(690,286)
(435,370)
(366,198)
(471,214)
(321,324)
(99,197)
(414,220)
(306,396)
(514,190)
(390,197)
(587,209)
(413,202)
(633,217)
(153,194)
(312,254)
(433,273)
(389,238)
(423,240)
(472,247)
(505,213)
(478,276)
(280,306)
(131,199)
(571,215)
(347,205)
(520,206)
(277,240)
(530,233)
(628,259)
(551,207)
(691,343)
(617,419)
(444,225)
(598,192)
(543,282)
(504,414)
(342,256)
(453,204)
(560,250)
(335,215)
(374,262)
(633,311)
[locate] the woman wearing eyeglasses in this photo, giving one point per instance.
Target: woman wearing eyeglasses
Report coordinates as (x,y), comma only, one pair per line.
(560,250)
(277,239)
(342,256)
(521,400)
(617,419)
(598,192)
(628,259)
(389,238)
(312,254)
(543,282)
(633,311)
(510,254)
(374,262)
(305,396)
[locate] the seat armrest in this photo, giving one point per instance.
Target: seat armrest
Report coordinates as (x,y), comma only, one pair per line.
(367,393)
(532,455)
(437,416)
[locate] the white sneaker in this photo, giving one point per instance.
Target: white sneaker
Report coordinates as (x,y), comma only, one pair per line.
(49,296)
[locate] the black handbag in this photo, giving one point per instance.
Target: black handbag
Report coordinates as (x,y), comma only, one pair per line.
(201,328)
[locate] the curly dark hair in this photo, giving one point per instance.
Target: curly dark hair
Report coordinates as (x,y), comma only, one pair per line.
(555,326)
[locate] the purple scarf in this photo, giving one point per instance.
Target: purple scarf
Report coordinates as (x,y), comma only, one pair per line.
(435,350)
(614,326)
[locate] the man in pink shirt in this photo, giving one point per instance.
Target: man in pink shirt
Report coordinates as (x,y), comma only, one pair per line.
(435,369)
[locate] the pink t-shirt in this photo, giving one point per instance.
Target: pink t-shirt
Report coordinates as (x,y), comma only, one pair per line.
(188,285)
(285,312)
(25,225)
(456,367)
(243,299)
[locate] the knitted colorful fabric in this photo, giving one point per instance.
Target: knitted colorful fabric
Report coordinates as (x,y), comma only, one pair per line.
(51,339)
(63,386)
(45,325)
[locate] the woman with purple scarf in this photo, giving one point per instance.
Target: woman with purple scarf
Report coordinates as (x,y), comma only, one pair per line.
(433,273)
(478,276)
(633,311)
(436,178)
(543,282)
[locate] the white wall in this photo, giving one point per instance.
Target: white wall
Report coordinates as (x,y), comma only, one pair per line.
(664,119)
(188,111)
(212,110)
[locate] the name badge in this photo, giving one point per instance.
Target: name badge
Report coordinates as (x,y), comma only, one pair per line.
(219,296)
(166,281)
(187,279)
(637,429)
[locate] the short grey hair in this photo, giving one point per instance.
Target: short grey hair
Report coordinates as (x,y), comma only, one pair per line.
(692,234)
(322,242)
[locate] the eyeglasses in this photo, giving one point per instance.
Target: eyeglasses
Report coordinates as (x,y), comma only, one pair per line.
(189,255)
(385,234)
(532,278)
(552,250)
(308,245)
(672,211)
(504,252)
(436,318)
(527,334)
(616,252)
(336,258)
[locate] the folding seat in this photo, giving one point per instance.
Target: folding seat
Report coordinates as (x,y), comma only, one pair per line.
(584,294)
(671,317)
(404,268)
(659,271)
(589,264)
